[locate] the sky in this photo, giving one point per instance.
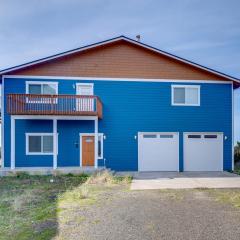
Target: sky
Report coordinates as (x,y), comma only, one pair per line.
(204,31)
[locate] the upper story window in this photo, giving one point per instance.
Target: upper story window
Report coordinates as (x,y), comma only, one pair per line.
(186,95)
(84,88)
(48,88)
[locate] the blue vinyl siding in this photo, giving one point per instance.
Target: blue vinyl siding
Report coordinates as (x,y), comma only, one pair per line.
(68,140)
(36,126)
(129,108)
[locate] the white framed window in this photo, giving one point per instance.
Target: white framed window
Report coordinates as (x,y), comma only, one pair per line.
(39,144)
(40,88)
(84,88)
(84,104)
(185,95)
(36,87)
(100,146)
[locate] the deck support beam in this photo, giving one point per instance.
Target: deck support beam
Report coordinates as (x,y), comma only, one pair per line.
(54,143)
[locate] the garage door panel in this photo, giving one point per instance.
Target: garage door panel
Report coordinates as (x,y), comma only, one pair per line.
(204,153)
(159,152)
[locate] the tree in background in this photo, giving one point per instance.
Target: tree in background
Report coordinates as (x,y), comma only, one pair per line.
(237,152)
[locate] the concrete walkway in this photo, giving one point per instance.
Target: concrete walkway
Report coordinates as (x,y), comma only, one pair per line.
(185,180)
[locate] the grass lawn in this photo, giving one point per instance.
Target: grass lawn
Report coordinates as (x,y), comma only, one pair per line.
(102,207)
(35,207)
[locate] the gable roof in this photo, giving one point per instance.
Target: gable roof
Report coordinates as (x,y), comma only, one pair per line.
(112,40)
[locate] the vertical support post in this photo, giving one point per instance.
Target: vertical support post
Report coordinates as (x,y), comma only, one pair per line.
(232,129)
(2,122)
(96,142)
(54,143)
(12,142)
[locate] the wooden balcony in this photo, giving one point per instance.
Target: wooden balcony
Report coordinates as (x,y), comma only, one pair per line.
(66,105)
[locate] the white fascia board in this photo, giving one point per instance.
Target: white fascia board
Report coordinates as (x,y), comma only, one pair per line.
(118,79)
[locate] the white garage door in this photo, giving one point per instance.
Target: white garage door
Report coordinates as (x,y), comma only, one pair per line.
(203,152)
(158,152)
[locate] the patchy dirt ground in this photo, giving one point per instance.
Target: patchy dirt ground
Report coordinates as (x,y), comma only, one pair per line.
(185,214)
(102,207)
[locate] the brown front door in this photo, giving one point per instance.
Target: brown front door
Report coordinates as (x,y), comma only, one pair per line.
(88,151)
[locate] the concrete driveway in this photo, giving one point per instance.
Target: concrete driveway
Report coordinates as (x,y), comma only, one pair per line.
(184,180)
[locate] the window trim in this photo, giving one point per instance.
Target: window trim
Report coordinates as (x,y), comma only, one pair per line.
(85,84)
(27,135)
(185,86)
(41,83)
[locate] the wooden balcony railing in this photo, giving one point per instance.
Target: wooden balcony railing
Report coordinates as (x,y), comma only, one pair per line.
(37,104)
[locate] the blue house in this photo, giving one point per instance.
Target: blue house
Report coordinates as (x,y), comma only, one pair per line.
(119,104)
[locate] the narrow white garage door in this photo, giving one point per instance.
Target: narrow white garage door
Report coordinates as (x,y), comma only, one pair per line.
(158,152)
(203,152)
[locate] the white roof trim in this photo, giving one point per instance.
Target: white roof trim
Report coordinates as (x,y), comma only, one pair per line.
(115,79)
(114,40)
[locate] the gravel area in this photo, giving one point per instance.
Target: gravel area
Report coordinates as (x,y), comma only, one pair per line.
(154,214)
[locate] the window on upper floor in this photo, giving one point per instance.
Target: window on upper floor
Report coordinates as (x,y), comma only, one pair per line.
(185,95)
(39,88)
(49,88)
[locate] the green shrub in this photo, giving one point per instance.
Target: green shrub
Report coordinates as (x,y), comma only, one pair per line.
(237,153)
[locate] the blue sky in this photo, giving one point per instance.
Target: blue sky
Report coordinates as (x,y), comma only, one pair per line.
(204,31)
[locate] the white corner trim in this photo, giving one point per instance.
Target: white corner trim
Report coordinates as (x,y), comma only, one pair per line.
(119,79)
(185,86)
(2,123)
(12,143)
(232,128)
(55,144)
